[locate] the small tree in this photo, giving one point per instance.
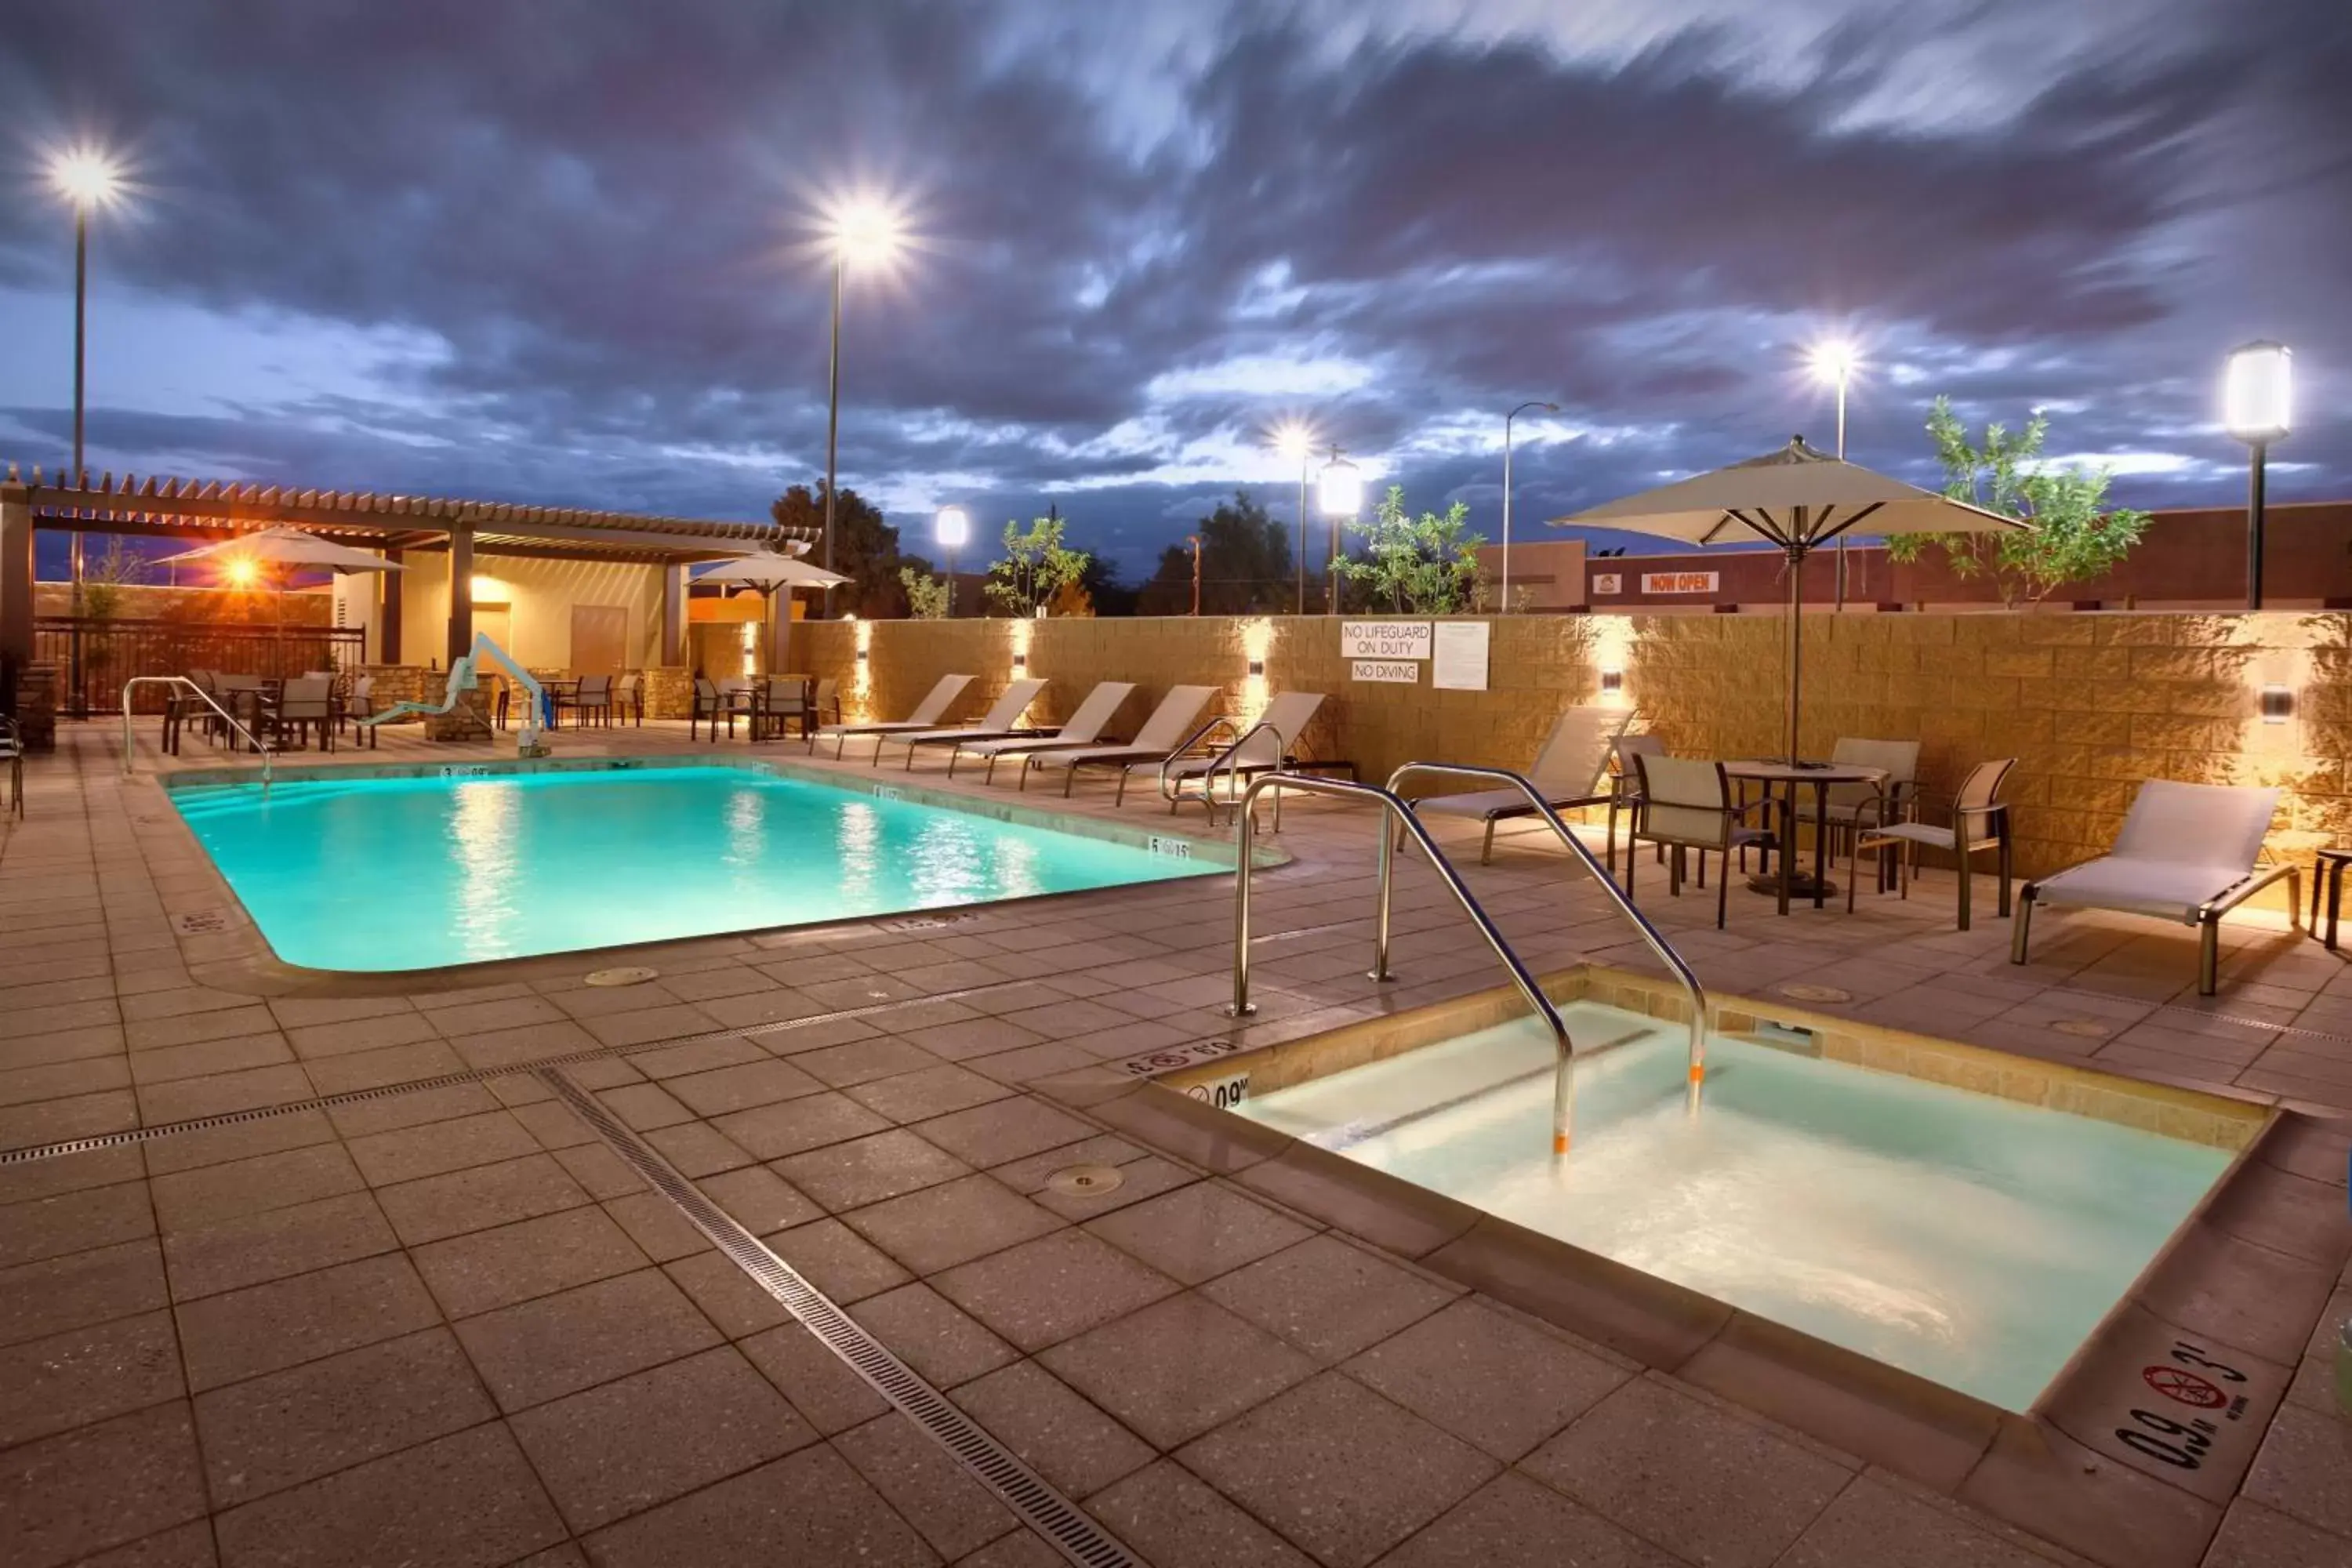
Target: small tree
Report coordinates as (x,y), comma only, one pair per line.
(927,596)
(1036,566)
(103,581)
(1425,565)
(2073,537)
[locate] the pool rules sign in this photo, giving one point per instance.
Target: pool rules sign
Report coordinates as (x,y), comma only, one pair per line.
(1385,650)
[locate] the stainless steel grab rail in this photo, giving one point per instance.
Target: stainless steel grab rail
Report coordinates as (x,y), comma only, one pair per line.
(1563,1101)
(227,718)
(1172,792)
(1650,936)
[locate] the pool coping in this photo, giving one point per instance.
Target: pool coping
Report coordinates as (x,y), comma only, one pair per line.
(2240,1283)
(241,949)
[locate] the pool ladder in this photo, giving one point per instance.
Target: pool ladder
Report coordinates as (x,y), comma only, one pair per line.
(1393,804)
(182,683)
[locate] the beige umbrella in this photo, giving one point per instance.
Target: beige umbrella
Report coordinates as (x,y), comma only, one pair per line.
(287,548)
(1796,500)
(768,569)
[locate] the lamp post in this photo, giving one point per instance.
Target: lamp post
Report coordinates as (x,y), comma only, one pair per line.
(1833,362)
(1514,414)
(1194,541)
(85,178)
(1342,491)
(2257,407)
(863,229)
(1296,440)
(953,528)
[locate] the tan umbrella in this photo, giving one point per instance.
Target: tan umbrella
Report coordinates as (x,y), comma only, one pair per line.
(287,548)
(768,569)
(1796,500)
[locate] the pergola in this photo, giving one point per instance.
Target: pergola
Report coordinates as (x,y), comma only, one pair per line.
(176,509)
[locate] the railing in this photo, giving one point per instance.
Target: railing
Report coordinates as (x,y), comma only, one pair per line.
(227,718)
(1651,937)
(1563,1102)
(111,650)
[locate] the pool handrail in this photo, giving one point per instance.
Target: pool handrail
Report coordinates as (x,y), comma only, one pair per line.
(227,718)
(1391,804)
(1652,937)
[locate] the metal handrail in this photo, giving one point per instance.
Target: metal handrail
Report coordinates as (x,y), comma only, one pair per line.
(227,718)
(1183,750)
(1650,936)
(1563,1102)
(1173,793)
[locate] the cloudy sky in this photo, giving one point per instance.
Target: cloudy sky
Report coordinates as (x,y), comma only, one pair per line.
(563,251)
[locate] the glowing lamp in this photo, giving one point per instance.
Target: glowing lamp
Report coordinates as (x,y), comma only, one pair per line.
(86,177)
(864,229)
(2257,392)
(1257,667)
(953,528)
(1834,362)
(2278,704)
(1612,681)
(242,572)
(1341,488)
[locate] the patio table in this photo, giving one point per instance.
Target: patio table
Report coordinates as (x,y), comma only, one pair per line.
(1781,781)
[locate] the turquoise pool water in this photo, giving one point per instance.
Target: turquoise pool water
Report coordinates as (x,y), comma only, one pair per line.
(1973,1240)
(416,873)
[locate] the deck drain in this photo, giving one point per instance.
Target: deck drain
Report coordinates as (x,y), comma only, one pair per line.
(634,975)
(1804,991)
(1085,1181)
(2081,1028)
(201,922)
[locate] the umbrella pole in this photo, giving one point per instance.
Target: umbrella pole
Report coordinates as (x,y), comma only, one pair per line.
(1796,639)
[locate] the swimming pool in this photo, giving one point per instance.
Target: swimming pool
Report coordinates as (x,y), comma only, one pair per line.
(1974,1240)
(419,872)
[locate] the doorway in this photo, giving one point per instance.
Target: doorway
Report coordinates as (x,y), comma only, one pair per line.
(600,639)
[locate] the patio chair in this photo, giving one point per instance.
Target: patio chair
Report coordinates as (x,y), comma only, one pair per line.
(629,699)
(593,697)
(927,715)
(1682,804)
(1084,728)
(1165,733)
(12,751)
(712,702)
(827,701)
(307,703)
(776,702)
(1264,747)
(1979,821)
(2187,852)
(1571,770)
(362,709)
(1000,722)
(1854,807)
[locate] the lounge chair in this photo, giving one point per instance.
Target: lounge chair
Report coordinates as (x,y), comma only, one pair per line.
(1164,734)
(2185,853)
(1979,821)
(927,715)
(1571,770)
(1084,727)
(1266,746)
(1000,722)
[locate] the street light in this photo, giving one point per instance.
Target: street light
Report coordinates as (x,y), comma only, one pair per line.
(1833,362)
(1514,414)
(88,179)
(1294,439)
(866,230)
(953,529)
(2258,408)
(1341,492)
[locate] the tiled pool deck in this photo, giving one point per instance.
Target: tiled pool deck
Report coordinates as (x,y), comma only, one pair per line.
(449,1326)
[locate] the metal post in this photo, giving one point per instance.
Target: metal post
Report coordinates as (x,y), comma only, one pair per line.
(1243,831)
(1300,608)
(833,415)
(1380,916)
(1841,453)
(2261,452)
(1796,638)
(1505,607)
(1194,541)
(952,568)
(79,699)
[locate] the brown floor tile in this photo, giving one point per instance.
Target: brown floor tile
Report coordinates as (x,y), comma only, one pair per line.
(82,1492)
(485,1269)
(1076,1447)
(1198,1232)
(274,1243)
(614,1450)
(23,1085)
(273,1431)
(557,1345)
(1043,1291)
(74,1222)
(943,1345)
(808,1507)
(186,1545)
(696,1149)
(1004,1130)
(477,1198)
(239,1141)
(599,1172)
(87,1374)
(1873,1521)
(56,1121)
(231,1053)
(941,1227)
(737,1303)
(822,1387)
(1148,1369)
(772,1132)
(743,1087)
(1175,1521)
(656,1226)
(938,1496)
(2305,1468)
(469,1500)
(375,1069)
(37,1299)
(643,1107)
(1328,1297)
(223,1093)
(920,1095)
(262,1328)
(2252,1536)
(759,1199)
(836,1261)
(1488,1378)
(862,1061)
(1514,1523)
(320,1041)
(868,1170)
(209,1195)
(1679,1473)
(438,1147)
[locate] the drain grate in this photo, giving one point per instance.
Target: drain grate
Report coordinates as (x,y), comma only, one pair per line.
(1043,1509)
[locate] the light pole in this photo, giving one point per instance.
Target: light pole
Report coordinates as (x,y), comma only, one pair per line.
(1833,362)
(1342,491)
(1194,541)
(864,229)
(1293,439)
(2257,407)
(953,528)
(85,178)
(1514,414)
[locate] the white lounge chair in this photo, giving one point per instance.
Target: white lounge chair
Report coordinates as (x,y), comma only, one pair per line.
(1002,721)
(1084,727)
(926,716)
(1266,746)
(1571,770)
(1163,734)
(2185,853)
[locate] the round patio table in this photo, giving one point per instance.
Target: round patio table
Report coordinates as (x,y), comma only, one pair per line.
(1781,781)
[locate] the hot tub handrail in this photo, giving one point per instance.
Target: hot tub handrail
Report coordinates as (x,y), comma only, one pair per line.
(227,718)
(1650,936)
(1563,1082)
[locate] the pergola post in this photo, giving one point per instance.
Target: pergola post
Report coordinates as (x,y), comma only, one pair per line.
(673,633)
(387,621)
(16,579)
(461,592)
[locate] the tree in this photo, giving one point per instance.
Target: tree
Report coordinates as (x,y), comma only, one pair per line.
(1424,566)
(2073,537)
(927,596)
(1035,567)
(1109,595)
(865,551)
(1246,565)
(102,580)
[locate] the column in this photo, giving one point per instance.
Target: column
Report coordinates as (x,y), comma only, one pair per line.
(387,620)
(16,580)
(461,592)
(673,635)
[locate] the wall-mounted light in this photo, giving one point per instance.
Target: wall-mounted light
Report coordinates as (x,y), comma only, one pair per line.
(1612,681)
(861,655)
(1019,660)
(2278,704)
(1257,667)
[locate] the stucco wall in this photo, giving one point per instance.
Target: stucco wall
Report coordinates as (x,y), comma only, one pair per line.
(540,594)
(2090,704)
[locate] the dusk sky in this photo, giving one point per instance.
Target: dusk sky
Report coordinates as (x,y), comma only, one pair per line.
(562,253)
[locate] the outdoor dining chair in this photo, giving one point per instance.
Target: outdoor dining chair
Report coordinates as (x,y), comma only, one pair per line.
(592,698)
(629,699)
(305,704)
(711,702)
(12,751)
(1687,804)
(1979,822)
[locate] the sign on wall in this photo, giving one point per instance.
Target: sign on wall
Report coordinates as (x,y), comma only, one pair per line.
(1679,582)
(1384,639)
(1606,582)
(1399,671)
(1459,662)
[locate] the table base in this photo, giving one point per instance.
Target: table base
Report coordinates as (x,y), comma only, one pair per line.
(1800,885)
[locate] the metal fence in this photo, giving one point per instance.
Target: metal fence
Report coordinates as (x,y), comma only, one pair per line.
(112,651)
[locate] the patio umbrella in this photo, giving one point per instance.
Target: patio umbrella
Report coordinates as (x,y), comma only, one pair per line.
(768,569)
(287,548)
(1796,500)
